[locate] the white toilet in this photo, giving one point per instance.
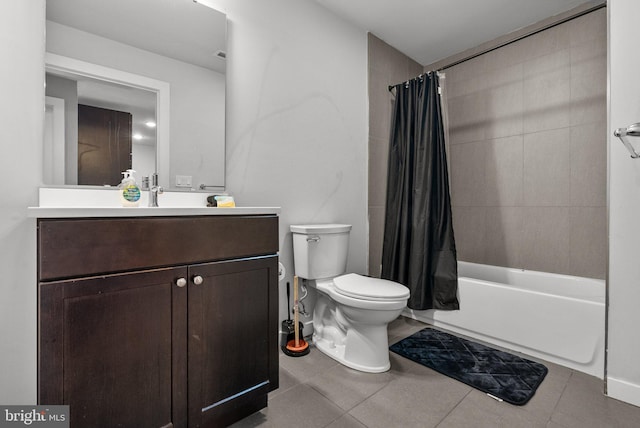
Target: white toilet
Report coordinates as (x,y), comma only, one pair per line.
(352,311)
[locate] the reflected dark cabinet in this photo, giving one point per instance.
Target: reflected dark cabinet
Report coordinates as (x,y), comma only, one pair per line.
(104,145)
(128,338)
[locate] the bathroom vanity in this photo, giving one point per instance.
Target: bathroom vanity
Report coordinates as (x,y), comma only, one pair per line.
(157,321)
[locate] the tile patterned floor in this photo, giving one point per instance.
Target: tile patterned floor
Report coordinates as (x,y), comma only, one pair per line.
(316,391)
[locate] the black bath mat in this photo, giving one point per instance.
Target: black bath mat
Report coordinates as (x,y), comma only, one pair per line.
(503,375)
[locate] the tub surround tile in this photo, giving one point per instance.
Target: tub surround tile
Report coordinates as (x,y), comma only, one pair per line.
(457,88)
(547,42)
(504,160)
(381,103)
(475,77)
(376,236)
(528,131)
(547,92)
(589,27)
(547,173)
(588,82)
(506,56)
(394,65)
(546,245)
(378,166)
(588,256)
(589,165)
(505,108)
(468,182)
(470,233)
(505,105)
(467,118)
(468,69)
(504,236)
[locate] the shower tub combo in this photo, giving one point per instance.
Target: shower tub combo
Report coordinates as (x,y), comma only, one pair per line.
(558,318)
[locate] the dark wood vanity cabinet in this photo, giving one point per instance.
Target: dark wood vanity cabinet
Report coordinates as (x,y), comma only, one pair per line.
(107,346)
(127,338)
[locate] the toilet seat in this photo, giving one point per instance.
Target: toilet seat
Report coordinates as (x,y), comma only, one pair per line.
(368,288)
(381,303)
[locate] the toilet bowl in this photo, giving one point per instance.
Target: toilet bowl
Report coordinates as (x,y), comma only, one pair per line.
(352,311)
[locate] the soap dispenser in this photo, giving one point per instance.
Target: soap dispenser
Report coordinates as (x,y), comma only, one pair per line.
(129,190)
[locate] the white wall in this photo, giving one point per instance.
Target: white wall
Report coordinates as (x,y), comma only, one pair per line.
(21,119)
(623,370)
(296,138)
(297,112)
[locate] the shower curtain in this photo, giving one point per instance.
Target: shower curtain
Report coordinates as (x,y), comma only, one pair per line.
(419,248)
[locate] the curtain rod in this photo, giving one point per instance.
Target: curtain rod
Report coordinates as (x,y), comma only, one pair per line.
(419,76)
(518,38)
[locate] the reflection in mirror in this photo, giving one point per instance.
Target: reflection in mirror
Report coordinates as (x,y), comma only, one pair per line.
(178,42)
(106,128)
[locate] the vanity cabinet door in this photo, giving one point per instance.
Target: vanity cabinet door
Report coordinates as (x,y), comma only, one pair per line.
(113,348)
(232,339)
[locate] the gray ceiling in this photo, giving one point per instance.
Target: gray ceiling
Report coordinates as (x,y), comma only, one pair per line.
(431,30)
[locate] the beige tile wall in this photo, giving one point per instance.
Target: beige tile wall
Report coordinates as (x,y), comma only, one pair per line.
(527,149)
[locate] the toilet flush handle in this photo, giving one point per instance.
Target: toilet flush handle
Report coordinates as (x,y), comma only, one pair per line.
(313,239)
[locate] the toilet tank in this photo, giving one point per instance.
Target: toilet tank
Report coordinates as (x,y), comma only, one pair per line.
(320,250)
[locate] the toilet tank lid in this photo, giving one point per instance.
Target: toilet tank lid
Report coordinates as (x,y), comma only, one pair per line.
(319,228)
(355,285)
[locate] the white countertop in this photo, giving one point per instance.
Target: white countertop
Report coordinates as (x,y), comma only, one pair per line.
(77,203)
(78,212)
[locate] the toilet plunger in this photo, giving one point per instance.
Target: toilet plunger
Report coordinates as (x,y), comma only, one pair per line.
(298,346)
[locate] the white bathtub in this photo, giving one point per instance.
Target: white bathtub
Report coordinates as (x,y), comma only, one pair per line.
(558,318)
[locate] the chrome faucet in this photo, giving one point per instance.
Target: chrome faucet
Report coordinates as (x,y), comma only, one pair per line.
(154,191)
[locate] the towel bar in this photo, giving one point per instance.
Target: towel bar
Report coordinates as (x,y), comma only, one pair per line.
(632,130)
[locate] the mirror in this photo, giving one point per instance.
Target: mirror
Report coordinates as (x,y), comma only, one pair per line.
(154,72)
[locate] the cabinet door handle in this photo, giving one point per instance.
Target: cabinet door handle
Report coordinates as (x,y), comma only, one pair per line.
(181,282)
(197,280)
